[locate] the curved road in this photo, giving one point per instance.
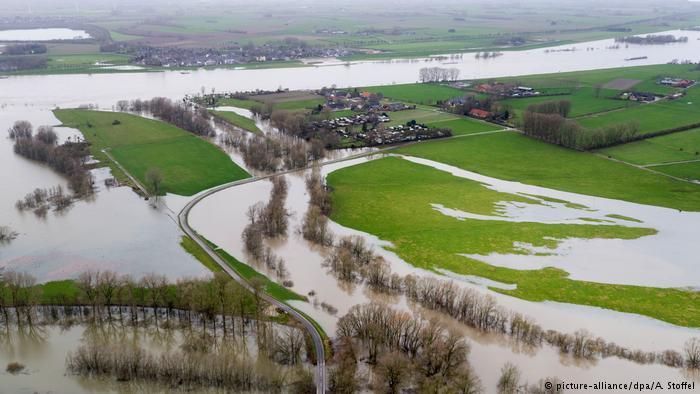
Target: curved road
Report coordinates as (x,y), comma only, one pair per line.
(321,383)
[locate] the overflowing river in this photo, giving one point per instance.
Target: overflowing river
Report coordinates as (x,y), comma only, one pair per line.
(120,231)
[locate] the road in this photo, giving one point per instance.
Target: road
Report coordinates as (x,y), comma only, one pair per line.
(321,381)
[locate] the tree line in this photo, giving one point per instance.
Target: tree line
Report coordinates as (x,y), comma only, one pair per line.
(437,74)
(547,122)
(195,120)
(314,227)
(68,158)
(269,220)
(206,309)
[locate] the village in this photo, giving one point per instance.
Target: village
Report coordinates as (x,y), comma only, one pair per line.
(173,57)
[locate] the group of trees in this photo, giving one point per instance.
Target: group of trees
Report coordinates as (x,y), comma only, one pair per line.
(547,121)
(224,368)
(40,200)
(438,74)
(209,306)
(269,220)
(68,158)
(559,107)
(272,151)
(314,227)
(7,234)
(404,352)
(651,39)
(195,120)
(16,63)
(24,49)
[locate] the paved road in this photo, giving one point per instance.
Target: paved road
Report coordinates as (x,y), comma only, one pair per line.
(321,382)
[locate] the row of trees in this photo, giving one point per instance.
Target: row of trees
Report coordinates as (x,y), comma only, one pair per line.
(554,128)
(269,220)
(438,74)
(560,107)
(223,368)
(314,227)
(68,158)
(195,120)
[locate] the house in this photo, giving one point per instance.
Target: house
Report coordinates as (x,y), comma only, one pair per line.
(479,113)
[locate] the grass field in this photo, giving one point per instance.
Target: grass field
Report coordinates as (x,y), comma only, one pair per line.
(391,198)
(421,114)
(427,94)
(514,157)
(653,117)
(463,126)
(690,171)
(238,120)
(583,102)
(189,164)
(681,146)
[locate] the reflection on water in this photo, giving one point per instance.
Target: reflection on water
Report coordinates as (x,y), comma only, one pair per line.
(116,230)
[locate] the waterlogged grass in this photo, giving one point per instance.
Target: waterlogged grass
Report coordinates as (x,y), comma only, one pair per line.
(668,148)
(514,157)
(428,94)
(238,120)
(391,198)
(188,163)
(198,253)
(249,273)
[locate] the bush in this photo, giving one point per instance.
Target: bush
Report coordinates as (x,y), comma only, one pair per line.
(14,367)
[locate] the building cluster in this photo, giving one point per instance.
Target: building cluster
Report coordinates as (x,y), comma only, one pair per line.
(400,133)
(198,57)
(506,90)
(677,82)
(338,99)
(642,97)
(342,124)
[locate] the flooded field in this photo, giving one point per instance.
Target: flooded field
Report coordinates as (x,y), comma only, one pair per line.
(46,34)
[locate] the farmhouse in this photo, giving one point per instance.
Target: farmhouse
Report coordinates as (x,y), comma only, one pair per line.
(480,113)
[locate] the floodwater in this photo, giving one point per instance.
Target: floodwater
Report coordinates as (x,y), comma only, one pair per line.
(221,221)
(118,230)
(43,350)
(44,34)
(115,230)
(106,89)
(637,262)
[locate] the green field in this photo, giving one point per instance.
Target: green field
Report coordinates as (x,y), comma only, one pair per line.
(234,102)
(690,171)
(421,114)
(189,164)
(514,157)
(427,94)
(463,126)
(583,102)
(238,120)
(680,146)
(391,198)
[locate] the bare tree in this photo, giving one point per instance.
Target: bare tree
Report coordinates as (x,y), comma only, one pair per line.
(509,382)
(154,179)
(692,353)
